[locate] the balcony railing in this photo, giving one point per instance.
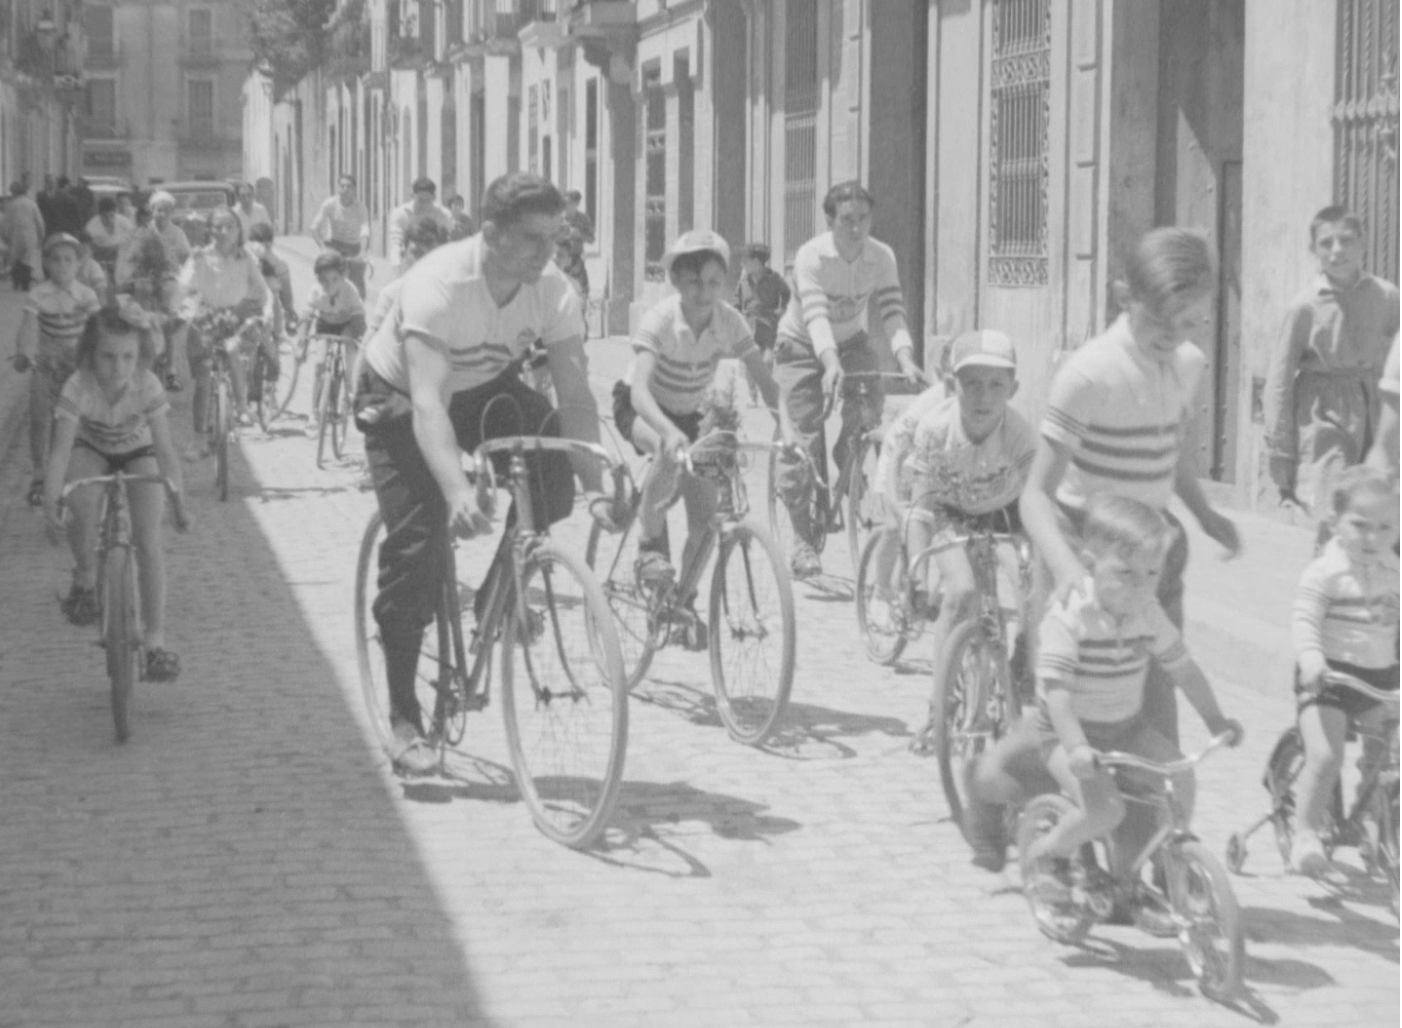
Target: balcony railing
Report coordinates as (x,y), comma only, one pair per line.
(43,56)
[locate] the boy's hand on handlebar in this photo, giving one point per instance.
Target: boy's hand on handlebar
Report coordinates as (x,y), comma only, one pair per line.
(832,380)
(1081,762)
(21,362)
(1228,725)
(912,374)
(470,513)
(674,443)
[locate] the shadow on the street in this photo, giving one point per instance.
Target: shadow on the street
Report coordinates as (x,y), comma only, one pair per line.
(1343,927)
(652,819)
(271,494)
(810,732)
(464,777)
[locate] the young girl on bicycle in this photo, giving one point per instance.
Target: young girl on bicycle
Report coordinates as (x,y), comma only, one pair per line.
(658,406)
(1345,620)
(112,417)
(1093,652)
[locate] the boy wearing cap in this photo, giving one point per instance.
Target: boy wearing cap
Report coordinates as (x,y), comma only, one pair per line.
(55,312)
(658,405)
(968,464)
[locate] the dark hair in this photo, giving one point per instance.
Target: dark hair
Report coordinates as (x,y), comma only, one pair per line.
(1332,215)
(456,200)
(106,205)
(266,269)
(106,322)
(425,234)
(573,196)
(694,262)
(345,178)
(84,237)
(513,196)
(1357,481)
(423,184)
(1167,265)
(330,260)
(239,187)
(842,193)
(62,182)
(758,252)
(262,232)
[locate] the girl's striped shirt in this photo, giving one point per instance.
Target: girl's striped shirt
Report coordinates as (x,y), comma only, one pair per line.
(112,426)
(1121,410)
(1101,659)
(61,314)
(1347,610)
(686,363)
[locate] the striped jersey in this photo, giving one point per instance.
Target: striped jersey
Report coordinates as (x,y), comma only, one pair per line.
(1101,659)
(1347,609)
(952,471)
(686,363)
(61,314)
(831,295)
(446,303)
(115,426)
(1120,410)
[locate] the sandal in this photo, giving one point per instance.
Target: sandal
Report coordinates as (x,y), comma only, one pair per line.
(161,665)
(35,496)
(81,606)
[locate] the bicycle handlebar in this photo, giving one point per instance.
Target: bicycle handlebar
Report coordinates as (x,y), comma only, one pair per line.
(1115,758)
(1361,687)
(119,476)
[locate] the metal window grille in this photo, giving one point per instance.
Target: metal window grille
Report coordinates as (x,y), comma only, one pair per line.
(656,204)
(1365,120)
(800,125)
(1018,168)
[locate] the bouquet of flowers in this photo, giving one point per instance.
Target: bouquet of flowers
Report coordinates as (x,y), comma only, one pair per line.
(218,324)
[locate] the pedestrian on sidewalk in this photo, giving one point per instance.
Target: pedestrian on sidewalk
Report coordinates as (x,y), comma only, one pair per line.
(24,231)
(762,294)
(1321,397)
(55,312)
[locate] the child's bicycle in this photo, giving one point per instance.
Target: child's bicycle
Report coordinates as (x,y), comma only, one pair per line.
(217,327)
(894,613)
(1199,897)
(331,396)
(1370,824)
(120,632)
(269,395)
(750,627)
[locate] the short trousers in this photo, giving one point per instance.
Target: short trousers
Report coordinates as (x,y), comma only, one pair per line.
(625,417)
(953,527)
(1341,697)
(352,329)
(118,461)
(1102,735)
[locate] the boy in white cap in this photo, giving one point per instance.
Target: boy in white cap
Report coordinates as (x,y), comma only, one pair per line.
(968,465)
(658,405)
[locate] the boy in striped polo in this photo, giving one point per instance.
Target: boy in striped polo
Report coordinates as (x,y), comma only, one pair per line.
(55,312)
(1093,655)
(822,335)
(1345,619)
(659,404)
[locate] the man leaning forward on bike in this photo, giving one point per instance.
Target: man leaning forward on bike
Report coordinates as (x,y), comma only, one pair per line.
(436,380)
(823,335)
(343,224)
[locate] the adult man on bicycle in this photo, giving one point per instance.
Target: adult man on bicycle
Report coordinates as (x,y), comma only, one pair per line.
(424,206)
(436,379)
(823,336)
(343,224)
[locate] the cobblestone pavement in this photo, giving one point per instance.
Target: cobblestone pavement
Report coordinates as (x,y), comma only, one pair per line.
(247,860)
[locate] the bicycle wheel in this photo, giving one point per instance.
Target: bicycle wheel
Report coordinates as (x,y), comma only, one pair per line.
(1282,768)
(612,558)
(289,367)
(339,406)
(973,695)
(1380,824)
(120,633)
(879,614)
(780,520)
(257,374)
(752,632)
(438,659)
(325,408)
(862,506)
(222,425)
(1066,922)
(1202,896)
(563,697)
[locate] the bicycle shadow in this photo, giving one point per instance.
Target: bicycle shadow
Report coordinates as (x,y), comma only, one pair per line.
(1346,928)
(696,706)
(651,818)
(829,588)
(462,776)
(810,732)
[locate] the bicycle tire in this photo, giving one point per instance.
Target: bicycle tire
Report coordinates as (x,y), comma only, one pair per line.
(570,801)
(629,603)
(289,368)
(781,525)
(1383,809)
(749,715)
(323,410)
(1061,922)
(1196,877)
(884,647)
(959,735)
(120,635)
(221,439)
(861,499)
(1282,768)
(256,376)
(339,404)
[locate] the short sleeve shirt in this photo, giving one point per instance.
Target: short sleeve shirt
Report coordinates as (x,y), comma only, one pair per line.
(61,314)
(685,362)
(1103,660)
(1120,411)
(338,305)
(969,477)
(117,426)
(445,301)
(114,239)
(220,281)
(1388,382)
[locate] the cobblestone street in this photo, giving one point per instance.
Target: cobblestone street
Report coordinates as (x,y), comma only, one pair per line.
(247,859)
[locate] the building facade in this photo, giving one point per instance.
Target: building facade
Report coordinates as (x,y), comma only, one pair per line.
(164,88)
(41,89)
(1017,148)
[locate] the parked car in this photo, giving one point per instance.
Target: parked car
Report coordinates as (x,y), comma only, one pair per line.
(195,204)
(104,185)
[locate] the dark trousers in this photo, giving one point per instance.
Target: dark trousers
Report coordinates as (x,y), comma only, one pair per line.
(799,374)
(415,513)
(21,276)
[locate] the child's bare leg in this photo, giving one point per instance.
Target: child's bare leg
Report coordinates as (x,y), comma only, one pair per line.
(1323,729)
(960,592)
(147,509)
(1099,808)
(701,498)
(83,510)
(659,485)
